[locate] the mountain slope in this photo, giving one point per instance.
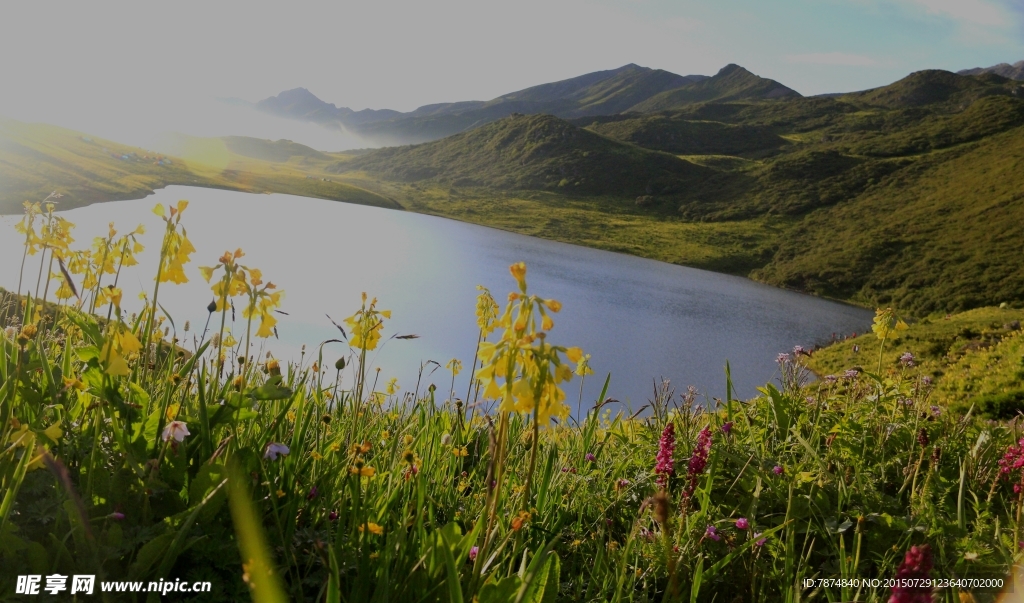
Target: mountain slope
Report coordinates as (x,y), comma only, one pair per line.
(597,93)
(944,233)
(1013,72)
(932,87)
(732,83)
(537,152)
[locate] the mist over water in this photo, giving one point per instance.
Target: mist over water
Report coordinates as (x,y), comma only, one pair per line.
(641,320)
(150,121)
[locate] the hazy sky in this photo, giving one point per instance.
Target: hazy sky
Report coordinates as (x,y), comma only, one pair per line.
(75,62)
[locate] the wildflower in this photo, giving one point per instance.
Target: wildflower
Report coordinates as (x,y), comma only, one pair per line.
(460,452)
(273,367)
(313,492)
(583,366)
(473,552)
(726,427)
(665,465)
(759,540)
(116,516)
(590,457)
(698,460)
(392,387)
(455,366)
(798,350)
(622,484)
(830,379)
(366,325)
(316,456)
(887,323)
(363,448)
(777,470)
(176,430)
(936,411)
(1013,461)
(916,566)
(712,533)
(782,358)
(742,523)
(907,359)
(850,374)
(371,528)
(922,437)
(520,520)
(275,449)
(407,440)
(486,311)
(446,439)
(926,380)
(332,516)
(176,247)
(280,493)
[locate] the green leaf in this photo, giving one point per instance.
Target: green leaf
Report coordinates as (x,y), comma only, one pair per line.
(272,390)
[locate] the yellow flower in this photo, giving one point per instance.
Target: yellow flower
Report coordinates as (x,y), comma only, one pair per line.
(119,344)
(371,528)
(364,471)
(392,386)
(486,311)
(459,452)
(335,447)
(385,435)
(887,323)
(315,455)
(407,440)
(455,366)
(366,325)
(518,271)
(583,366)
(280,493)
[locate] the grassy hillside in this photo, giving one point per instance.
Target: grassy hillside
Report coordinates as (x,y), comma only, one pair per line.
(36,159)
(533,152)
(974,357)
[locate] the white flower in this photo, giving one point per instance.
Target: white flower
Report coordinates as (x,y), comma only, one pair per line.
(274,449)
(175,429)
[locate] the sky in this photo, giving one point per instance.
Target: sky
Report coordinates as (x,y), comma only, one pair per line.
(132,67)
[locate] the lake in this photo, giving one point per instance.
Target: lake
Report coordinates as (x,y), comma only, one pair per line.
(641,320)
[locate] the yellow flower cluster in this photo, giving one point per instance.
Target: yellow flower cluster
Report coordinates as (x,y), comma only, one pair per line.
(176,247)
(887,323)
(262,299)
(486,311)
(366,325)
(521,369)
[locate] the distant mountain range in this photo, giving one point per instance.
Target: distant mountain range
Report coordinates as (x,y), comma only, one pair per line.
(1013,72)
(630,88)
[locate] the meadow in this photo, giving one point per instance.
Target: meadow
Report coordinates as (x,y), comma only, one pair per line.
(133,447)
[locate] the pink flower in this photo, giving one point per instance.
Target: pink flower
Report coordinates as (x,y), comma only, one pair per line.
(917,564)
(777,470)
(332,516)
(727,427)
(473,552)
(312,493)
(590,457)
(712,533)
(759,540)
(742,523)
(1013,463)
(698,460)
(176,430)
(116,516)
(665,466)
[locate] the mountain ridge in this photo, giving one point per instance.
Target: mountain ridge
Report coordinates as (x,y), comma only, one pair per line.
(1013,72)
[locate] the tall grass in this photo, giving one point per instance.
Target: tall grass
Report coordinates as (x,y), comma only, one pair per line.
(125,454)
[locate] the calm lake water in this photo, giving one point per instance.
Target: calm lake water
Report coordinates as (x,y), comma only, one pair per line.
(641,320)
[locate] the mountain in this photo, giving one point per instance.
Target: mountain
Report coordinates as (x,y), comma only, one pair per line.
(539,152)
(599,93)
(1013,72)
(731,83)
(934,86)
(300,103)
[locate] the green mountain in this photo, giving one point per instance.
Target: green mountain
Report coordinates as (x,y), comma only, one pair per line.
(538,152)
(732,83)
(936,87)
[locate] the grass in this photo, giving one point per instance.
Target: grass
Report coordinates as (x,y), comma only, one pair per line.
(968,355)
(313,481)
